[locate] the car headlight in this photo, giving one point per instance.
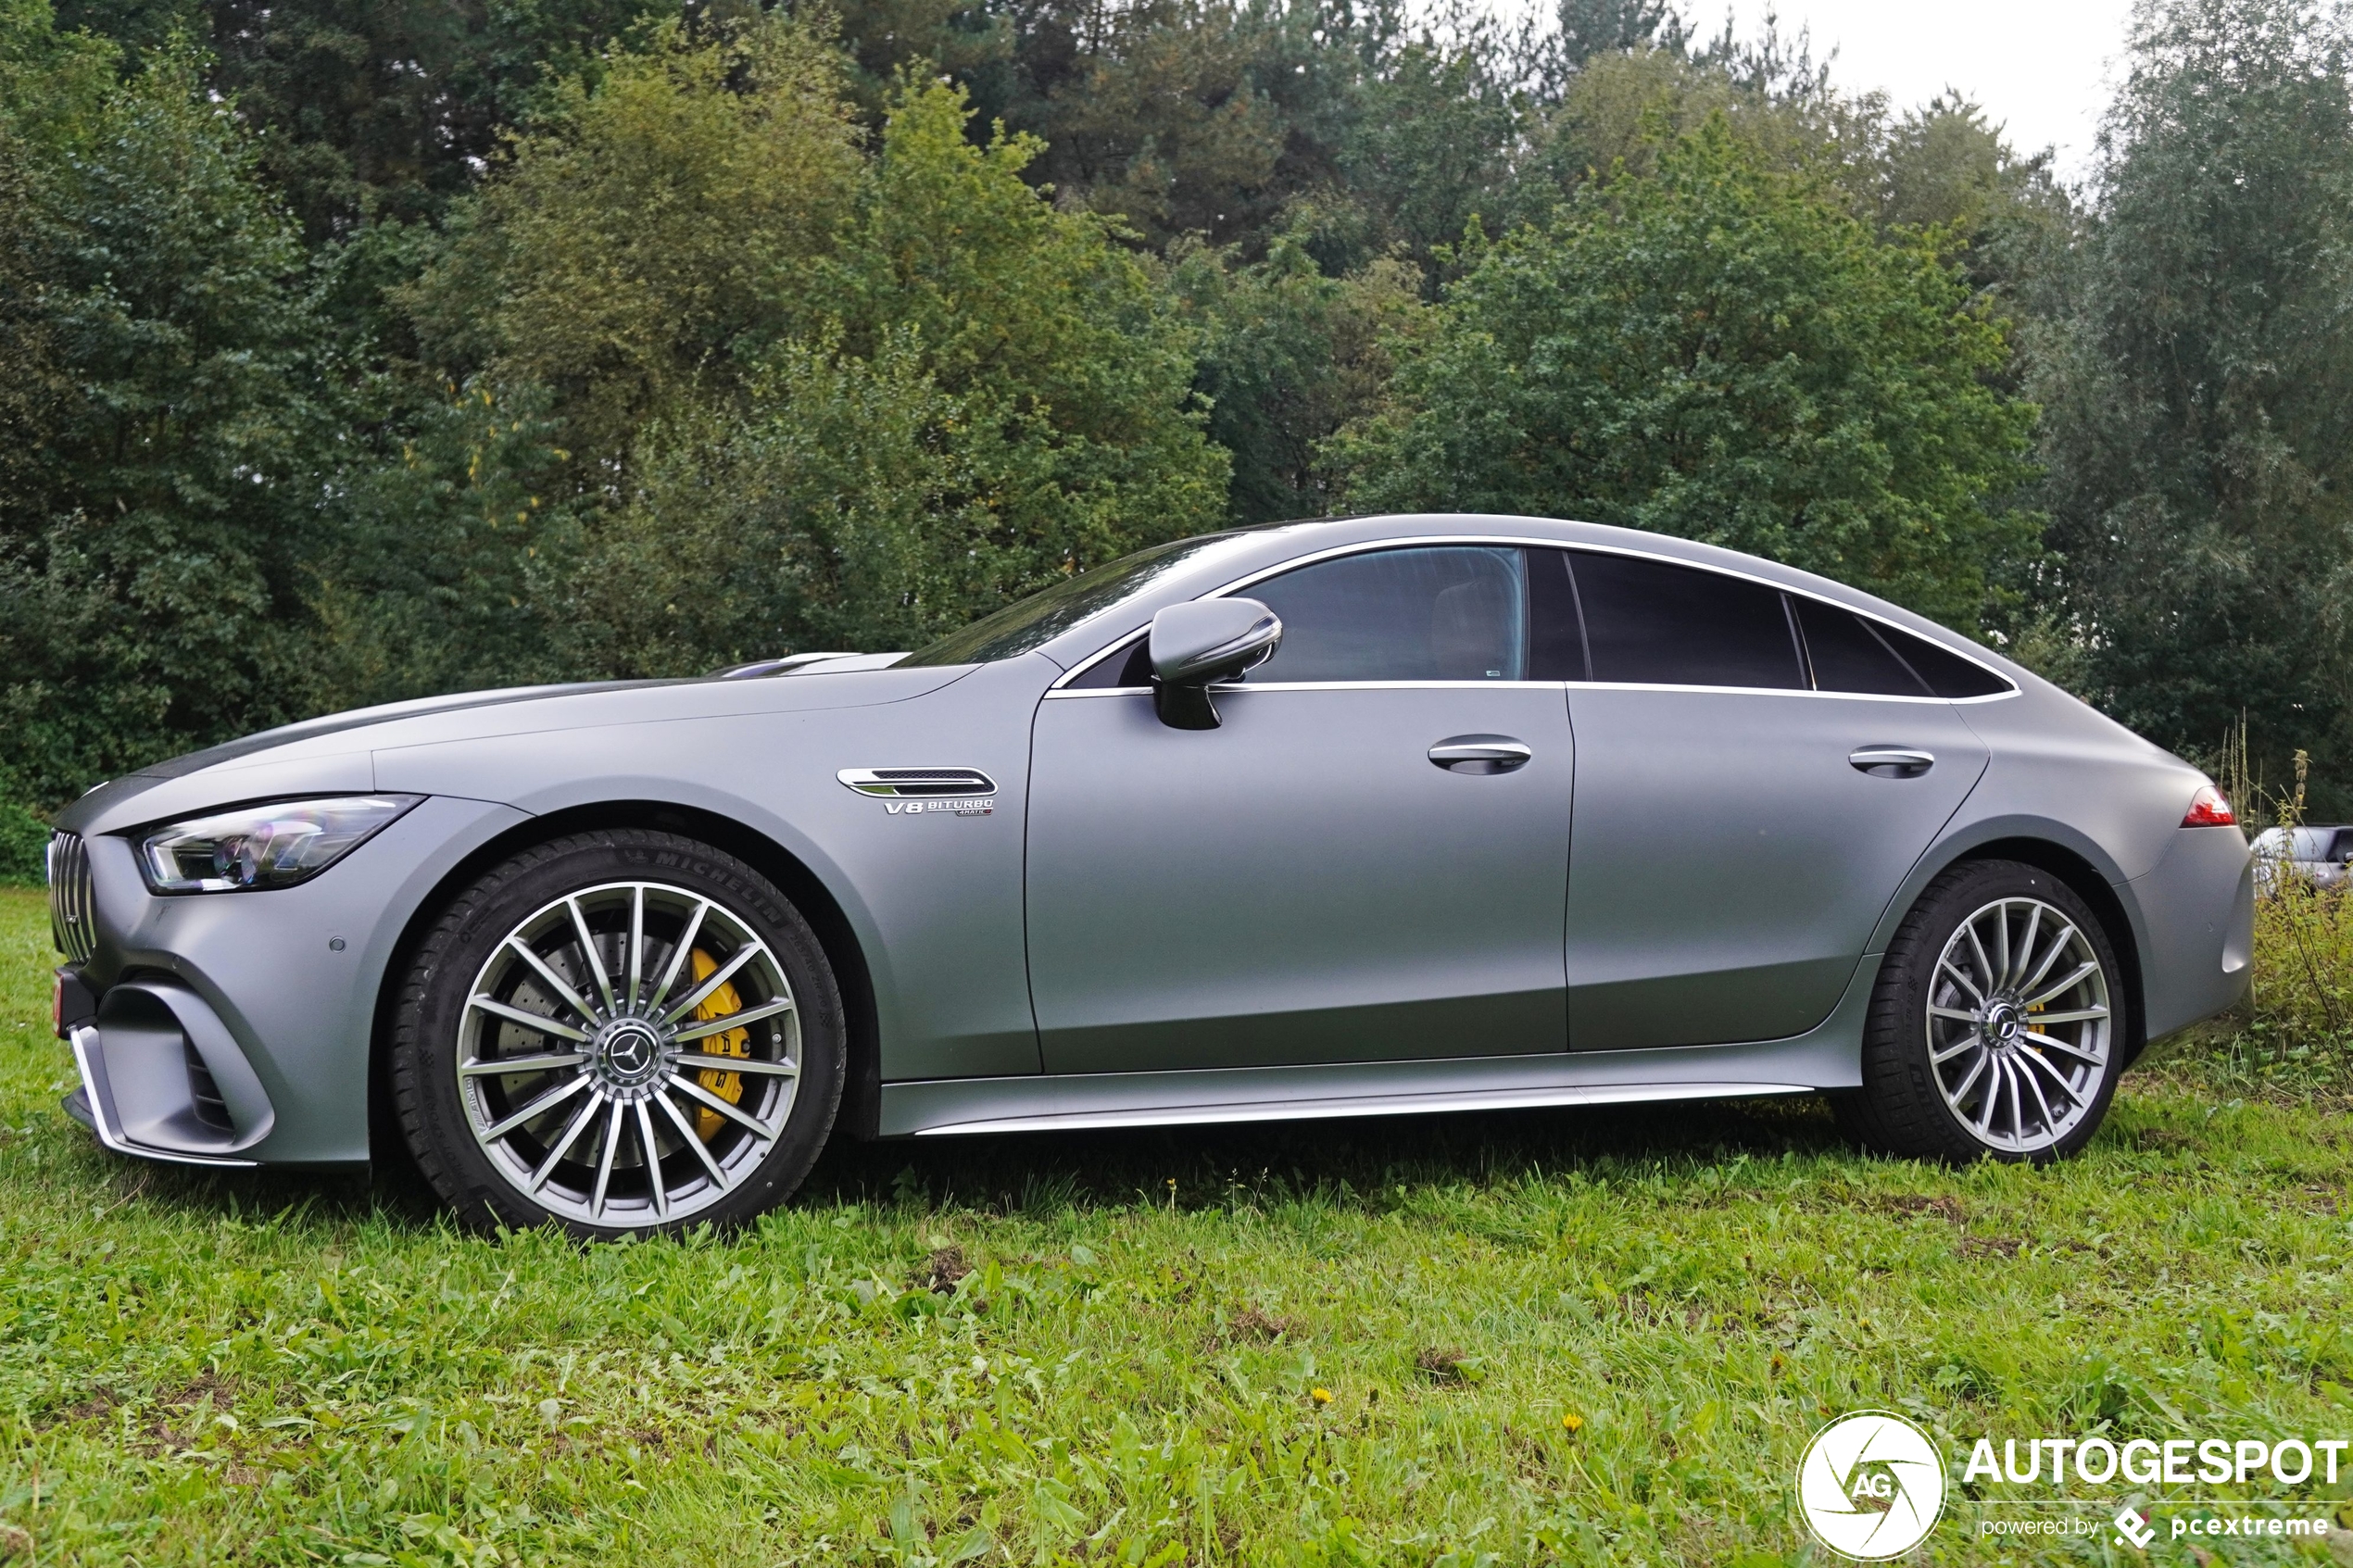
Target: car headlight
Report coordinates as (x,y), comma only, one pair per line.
(271,846)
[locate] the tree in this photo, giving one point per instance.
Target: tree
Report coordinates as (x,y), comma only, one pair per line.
(1428,149)
(1288,356)
(645,239)
(981,395)
(1721,352)
(2200,382)
(151,542)
(371,109)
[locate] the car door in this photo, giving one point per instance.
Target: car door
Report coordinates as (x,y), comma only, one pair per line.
(1756,773)
(1310,881)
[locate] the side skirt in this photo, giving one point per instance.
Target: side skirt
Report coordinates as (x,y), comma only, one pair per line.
(1825,1057)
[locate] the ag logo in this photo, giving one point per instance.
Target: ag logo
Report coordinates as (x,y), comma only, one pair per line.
(1871,1485)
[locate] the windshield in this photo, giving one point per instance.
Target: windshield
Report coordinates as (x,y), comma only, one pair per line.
(1041,618)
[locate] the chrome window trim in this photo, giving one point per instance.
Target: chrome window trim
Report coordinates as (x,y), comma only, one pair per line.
(1775,691)
(1472,540)
(1233,687)
(1228,688)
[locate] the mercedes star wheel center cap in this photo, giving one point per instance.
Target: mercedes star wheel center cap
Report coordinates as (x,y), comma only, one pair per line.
(629,1051)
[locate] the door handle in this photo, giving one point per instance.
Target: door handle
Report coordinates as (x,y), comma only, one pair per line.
(1893,762)
(1480,754)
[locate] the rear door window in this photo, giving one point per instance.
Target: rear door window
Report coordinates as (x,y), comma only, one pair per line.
(1651,622)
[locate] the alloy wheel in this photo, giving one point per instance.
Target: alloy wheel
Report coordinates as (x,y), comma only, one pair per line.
(628,1054)
(2018,1025)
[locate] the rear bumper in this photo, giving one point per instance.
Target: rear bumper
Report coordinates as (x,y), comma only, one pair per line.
(2198,914)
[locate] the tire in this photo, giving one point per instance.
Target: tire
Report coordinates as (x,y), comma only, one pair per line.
(1977,1044)
(621,1066)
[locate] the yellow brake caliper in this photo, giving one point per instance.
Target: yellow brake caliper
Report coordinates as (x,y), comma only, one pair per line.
(729,1086)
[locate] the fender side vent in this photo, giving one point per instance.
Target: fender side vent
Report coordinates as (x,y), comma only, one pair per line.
(902,783)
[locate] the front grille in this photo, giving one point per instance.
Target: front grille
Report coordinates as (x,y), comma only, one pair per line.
(74,908)
(204,1094)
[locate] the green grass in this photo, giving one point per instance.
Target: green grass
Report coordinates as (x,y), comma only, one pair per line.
(309,1368)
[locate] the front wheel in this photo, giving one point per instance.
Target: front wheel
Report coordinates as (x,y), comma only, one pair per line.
(616,1032)
(1997,1027)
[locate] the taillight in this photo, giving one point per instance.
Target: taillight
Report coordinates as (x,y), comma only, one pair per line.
(2209,809)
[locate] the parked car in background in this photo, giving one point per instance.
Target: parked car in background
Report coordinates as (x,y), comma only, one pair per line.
(2316,854)
(1352,817)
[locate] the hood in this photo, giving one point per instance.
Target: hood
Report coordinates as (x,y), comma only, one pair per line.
(334,754)
(359,718)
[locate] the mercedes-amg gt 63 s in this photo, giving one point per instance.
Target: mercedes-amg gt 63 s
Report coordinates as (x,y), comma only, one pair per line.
(1396,814)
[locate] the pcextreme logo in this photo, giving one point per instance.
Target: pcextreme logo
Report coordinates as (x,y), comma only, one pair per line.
(1871,1485)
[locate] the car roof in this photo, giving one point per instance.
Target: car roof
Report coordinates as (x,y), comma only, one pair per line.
(1242,552)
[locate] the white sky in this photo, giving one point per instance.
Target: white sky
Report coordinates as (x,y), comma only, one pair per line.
(2043,67)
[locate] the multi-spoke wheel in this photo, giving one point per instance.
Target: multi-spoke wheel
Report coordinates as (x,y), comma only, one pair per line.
(1995,1028)
(622,1031)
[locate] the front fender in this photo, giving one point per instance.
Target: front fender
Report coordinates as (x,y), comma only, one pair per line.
(934,899)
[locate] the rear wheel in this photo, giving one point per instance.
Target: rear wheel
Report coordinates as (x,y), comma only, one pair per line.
(1996,1029)
(622,1031)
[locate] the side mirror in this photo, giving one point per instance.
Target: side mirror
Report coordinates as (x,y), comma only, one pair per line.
(1195,645)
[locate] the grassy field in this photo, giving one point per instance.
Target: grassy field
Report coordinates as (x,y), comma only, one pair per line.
(1576,1336)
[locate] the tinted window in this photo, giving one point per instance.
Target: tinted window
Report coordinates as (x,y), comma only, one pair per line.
(1850,655)
(1041,618)
(1129,667)
(1947,674)
(1556,634)
(1441,614)
(1649,621)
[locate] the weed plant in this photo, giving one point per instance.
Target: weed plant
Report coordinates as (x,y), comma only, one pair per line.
(2294,1037)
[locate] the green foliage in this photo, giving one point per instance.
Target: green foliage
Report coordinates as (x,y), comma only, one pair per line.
(982,394)
(1429,148)
(372,110)
(24,843)
(1722,353)
(151,528)
(2198,377)
(1289,356)
(650,236)
(450,556)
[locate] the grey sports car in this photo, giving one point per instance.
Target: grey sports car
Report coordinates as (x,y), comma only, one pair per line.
(1341,817)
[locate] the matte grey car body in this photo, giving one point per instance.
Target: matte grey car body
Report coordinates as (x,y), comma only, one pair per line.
(1604,892)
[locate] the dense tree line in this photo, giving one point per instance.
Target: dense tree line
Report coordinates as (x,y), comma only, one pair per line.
(356,350)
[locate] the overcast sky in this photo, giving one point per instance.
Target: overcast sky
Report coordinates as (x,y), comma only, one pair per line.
(2043,67)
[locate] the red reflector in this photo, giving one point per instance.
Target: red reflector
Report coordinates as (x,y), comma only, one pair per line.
(2209,809)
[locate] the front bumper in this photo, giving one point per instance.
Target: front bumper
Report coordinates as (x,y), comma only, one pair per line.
(236,1028)
(162,1078)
